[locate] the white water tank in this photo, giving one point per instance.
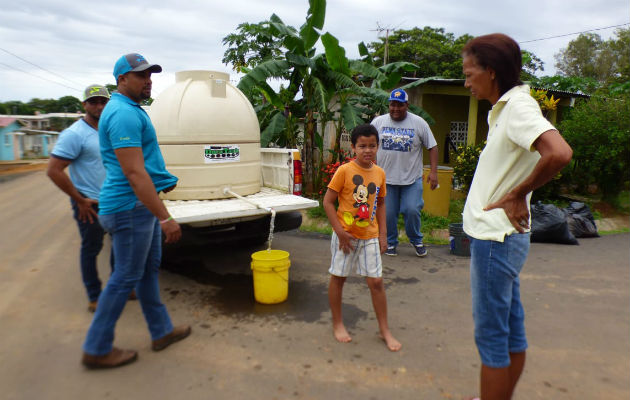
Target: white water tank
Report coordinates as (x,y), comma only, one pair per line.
(209,136)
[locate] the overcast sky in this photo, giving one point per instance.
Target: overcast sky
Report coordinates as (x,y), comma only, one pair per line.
(77,43)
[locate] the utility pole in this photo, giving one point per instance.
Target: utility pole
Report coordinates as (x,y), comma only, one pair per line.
(379,29)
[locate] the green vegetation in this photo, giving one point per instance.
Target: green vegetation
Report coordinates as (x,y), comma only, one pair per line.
(598,131)
(65,104)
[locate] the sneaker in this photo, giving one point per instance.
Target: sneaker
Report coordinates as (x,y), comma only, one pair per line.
(391,251)
(421,251)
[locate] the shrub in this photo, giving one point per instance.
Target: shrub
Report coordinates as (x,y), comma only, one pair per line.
(330,169)
(465,164)
(599,133)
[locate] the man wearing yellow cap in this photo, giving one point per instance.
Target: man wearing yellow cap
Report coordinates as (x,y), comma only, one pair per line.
(78,149)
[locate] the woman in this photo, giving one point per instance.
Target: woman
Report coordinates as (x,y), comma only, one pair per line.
(523,152)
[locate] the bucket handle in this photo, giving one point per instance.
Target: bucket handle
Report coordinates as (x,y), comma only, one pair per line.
(280,275)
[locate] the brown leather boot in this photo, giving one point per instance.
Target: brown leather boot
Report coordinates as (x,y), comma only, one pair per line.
(115,358)
(92,306)
(178,333)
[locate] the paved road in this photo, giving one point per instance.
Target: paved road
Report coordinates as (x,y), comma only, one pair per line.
(577,301)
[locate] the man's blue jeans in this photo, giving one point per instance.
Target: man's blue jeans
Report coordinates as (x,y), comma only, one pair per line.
(405,199)
(137,244)
(91,244)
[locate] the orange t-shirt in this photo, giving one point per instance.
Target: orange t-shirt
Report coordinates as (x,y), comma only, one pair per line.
(357,190)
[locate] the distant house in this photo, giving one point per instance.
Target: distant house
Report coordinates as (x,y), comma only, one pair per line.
(10,139)
(29,135)
(459,116)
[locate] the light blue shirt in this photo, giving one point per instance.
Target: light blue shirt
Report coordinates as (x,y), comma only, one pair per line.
(79,145)
(124,124)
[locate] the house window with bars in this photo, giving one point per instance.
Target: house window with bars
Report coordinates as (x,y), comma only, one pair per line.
(459,133)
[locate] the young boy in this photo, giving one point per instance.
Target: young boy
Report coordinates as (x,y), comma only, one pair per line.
(360,233)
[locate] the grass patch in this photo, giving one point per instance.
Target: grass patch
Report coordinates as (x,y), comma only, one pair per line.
(613,232)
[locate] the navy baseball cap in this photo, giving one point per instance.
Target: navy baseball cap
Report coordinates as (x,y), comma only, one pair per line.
(133,62)
(398,95)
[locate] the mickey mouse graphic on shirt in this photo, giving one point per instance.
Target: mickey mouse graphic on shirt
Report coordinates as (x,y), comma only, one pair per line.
(361,194)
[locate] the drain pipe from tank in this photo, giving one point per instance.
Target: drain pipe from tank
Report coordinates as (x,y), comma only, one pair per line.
(226,190)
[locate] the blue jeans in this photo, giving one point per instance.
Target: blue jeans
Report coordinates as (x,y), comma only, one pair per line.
(405,199)
(497,310)
(137,244)
(91,244)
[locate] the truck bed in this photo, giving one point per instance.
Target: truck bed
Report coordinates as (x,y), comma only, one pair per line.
(201,213)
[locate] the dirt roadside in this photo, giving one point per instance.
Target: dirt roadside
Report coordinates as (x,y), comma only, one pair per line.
(576,300)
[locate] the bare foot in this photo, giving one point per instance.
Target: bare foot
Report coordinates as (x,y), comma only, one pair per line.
(391,342)
(341,334)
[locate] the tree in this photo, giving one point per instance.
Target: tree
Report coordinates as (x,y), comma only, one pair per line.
(598,130)
(434,51)
(320,88)
(315,76)
(250,46)
(44,106)
(574,84)
(531,64)
(69,104)
(589,56)
(19,108)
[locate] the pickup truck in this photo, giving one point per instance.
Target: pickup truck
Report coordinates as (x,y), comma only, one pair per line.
(248,218)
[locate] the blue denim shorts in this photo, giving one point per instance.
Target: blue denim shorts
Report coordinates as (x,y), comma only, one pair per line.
(497,310)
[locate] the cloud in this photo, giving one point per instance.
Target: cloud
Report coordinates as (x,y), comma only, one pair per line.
(81,41)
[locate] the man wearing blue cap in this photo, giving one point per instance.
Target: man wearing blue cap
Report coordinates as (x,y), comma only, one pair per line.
(77,149)
(402,136)
(131,211)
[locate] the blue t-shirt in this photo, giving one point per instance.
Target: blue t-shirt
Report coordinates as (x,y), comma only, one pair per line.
(79,145)
(124,123)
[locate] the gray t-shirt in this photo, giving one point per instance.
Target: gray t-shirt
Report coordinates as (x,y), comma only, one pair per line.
(400,148)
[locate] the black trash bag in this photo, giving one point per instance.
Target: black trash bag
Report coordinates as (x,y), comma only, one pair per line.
(549,225)
(581,221)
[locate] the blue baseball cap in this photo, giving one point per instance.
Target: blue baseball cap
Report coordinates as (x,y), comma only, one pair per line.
(133,62)
(398,95)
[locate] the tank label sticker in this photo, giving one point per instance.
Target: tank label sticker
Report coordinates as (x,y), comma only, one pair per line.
(221,153)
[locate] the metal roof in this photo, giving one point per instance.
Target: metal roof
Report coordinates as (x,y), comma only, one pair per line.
(460,82)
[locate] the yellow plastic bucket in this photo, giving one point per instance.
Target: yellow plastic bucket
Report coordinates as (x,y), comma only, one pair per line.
(271,276)
(437,201)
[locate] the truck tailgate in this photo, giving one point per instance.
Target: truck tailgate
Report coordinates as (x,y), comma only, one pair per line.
(215,212)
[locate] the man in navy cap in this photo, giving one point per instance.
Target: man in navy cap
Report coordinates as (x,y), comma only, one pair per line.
(131,211)
(402,136)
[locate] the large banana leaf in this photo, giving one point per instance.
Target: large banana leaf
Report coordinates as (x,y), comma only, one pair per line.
(263,71)
(366,69)
(314,20)
(273,130)
(351,116)
(341,80)
(318,93)
(335,54)
(365,53)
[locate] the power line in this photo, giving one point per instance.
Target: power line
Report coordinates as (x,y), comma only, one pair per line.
(42,68)
(40,77)
(574,33)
